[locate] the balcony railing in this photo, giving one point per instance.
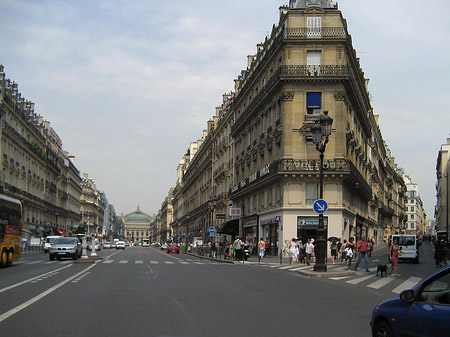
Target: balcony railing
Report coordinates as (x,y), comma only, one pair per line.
(316,33)
(314,70)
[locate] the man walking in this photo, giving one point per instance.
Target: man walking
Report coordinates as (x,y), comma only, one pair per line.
(362,247)
(238,248)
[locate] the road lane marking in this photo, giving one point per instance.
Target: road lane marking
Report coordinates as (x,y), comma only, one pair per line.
(123,261)
(42,295)
(108,261)
(408,284)
(169,262)
(154,262)
(183,262)
(138,262)
(33,278)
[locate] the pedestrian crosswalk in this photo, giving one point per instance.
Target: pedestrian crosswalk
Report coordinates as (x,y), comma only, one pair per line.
(369,280)
(154,262)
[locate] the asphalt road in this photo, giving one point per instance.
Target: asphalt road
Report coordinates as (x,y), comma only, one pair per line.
(147,292)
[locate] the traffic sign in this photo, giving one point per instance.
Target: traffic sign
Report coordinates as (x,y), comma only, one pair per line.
(320,206)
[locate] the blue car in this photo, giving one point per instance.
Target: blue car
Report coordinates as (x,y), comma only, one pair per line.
(421,311)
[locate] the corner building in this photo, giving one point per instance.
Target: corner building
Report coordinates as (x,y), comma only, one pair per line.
(306,67)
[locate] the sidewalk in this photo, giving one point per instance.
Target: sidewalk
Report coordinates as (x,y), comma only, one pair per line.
(337,270)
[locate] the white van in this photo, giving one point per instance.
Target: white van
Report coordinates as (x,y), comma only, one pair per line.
(409,246)
(49,241)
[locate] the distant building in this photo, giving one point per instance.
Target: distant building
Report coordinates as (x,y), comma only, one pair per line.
(415,213)
(136,226)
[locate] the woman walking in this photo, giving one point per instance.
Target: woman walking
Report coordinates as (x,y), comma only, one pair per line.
(293,251)
(350,251)
(394,251)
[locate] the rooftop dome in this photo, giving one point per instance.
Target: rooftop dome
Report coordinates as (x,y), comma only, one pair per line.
(137,216)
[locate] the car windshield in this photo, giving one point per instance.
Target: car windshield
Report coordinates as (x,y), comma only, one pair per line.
(406,241)
(64,241)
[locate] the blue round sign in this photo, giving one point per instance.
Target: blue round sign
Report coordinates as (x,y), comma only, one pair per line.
(320,206)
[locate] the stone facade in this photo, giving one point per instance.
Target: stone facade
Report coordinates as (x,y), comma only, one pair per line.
(443,187)
(34,167)
(257,155)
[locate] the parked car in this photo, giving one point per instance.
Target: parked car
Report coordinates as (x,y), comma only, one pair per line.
(164,246)
(173,248)
(106,245)
(65,247)
(120,245)
(421,311)
(49,241)
(113,244)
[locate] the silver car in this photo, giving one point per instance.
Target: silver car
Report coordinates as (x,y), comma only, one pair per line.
(65,247)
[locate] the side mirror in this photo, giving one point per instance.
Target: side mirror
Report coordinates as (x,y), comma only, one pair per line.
(407,295)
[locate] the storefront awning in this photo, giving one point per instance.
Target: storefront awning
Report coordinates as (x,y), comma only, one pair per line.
(230,227)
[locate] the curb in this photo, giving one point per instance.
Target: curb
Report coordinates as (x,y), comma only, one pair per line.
(208,258)
(327,274)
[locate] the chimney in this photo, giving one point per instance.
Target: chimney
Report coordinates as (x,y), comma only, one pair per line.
(250,60)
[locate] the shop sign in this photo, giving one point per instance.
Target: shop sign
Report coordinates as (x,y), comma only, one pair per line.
(235,211)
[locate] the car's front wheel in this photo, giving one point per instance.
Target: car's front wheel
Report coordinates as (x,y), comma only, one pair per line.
(382,329)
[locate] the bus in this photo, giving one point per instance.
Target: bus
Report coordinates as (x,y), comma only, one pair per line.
(10,230)
(145,242)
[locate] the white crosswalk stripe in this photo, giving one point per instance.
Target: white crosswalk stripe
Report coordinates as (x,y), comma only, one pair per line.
(108,261)
(169,262)
(360,279)
(138,262)
(380,283)
(154,262)
(123,262)
(408,284)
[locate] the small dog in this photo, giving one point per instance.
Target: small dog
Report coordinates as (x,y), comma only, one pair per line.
(382,268)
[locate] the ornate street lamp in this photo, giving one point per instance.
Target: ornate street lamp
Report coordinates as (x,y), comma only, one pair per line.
(321,130)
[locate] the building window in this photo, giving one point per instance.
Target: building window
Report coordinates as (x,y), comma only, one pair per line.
(312,193)
(411,216)
(314,27)
(313,103)
(313,62)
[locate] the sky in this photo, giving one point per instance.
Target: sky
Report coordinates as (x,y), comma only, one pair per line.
(128,84)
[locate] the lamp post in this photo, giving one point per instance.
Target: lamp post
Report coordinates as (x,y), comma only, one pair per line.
(321,130)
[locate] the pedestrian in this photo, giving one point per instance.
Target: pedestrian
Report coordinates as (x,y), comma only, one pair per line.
(266,248)
(369,247)
(350,251)
(439,252)
(394,252)
(342,251)
(238,248)
(261,248)
(293,251)
(362,253)
(214,249)
(333,248)
(339,247)
(309,250)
